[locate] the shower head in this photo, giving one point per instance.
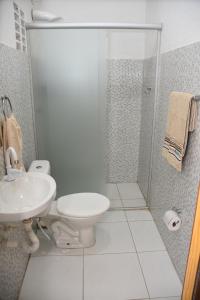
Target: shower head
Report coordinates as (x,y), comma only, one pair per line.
(43,16)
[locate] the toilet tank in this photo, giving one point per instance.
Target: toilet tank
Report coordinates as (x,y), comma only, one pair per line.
(41,166)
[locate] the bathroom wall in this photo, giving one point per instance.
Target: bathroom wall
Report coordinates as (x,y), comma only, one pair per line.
(121,43)
(180,19)
(123,119)
(15,83)
(96,10)
(7,25)
(180,71)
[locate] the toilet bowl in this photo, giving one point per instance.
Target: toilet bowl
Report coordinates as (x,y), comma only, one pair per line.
(72,218)
(78,215)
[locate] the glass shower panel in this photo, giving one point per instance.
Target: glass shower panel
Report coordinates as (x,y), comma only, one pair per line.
(68,88)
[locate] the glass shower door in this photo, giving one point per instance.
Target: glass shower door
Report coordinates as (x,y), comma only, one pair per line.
(68,89)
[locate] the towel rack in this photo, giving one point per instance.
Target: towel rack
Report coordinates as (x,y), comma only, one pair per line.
(4,101)
(196,98)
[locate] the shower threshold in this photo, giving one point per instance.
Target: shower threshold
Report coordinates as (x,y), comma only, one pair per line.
(128,208)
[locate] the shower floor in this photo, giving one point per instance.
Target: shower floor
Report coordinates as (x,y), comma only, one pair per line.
(129,261)
(125,195)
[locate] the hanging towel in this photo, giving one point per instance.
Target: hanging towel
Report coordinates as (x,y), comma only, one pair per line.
(182,115)
(12,137)
(1,142)
(1,134)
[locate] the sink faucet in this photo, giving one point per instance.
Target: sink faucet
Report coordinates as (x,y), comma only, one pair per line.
(12,173)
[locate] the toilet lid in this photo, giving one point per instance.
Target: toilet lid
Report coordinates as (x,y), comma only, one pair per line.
(82,205)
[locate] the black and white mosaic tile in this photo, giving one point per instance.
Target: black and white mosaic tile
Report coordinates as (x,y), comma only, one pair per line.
(123,119)
(15,83)
(180,71)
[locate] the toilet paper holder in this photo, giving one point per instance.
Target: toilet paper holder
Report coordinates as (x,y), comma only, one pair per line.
(172,219)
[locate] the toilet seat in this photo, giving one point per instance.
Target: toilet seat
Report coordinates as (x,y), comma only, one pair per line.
(82,205)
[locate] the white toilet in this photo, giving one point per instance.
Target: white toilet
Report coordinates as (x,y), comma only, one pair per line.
(72,218)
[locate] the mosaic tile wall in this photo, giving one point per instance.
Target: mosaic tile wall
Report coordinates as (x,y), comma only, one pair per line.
(15,83)
(180,71)
(123,119)
(147,107)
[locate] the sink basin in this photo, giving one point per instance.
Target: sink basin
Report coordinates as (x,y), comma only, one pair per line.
(26,197)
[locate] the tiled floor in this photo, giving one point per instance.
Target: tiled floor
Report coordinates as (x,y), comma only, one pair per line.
(125,195)
(129,261)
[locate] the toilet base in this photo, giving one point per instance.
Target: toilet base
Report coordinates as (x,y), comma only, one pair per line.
(67,237)
(87,236)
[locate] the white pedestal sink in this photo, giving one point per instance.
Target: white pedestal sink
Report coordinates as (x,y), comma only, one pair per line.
(26,197)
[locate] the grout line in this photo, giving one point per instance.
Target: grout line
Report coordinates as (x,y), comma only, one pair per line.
(134,198)
(169,297)
(151,251)
(108,222)
(108,253)
(117,221)
(138,258)
(133,221)
(128,208)
(119,194)
(88,254)
(158,298)
(83,274)
(137,198)
(47,255)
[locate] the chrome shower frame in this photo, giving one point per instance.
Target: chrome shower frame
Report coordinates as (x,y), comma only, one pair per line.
(127,26)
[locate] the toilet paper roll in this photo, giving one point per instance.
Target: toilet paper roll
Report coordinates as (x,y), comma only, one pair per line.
(172,220)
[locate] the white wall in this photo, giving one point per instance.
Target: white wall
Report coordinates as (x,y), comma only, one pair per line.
(7,28)
(121,44)
(95,10)
(181,22)
(180,18)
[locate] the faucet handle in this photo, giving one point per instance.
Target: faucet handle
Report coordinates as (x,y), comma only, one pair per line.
(13,174)
(15,163)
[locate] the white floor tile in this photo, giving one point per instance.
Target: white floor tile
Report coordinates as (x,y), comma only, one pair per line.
(113,216)
(53,277)
(112,191)
(146,236)
(134,203)
(113,277)
(112,238)
(160,275)
(129,191)
(168,298)
(139,215)
(49,248)
(115,203)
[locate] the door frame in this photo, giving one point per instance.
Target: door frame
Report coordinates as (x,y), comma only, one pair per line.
(193,256)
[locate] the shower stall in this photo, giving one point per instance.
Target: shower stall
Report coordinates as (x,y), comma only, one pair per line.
(94,96)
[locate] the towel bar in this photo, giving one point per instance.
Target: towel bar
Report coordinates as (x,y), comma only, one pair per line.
(4,101)
(196,98)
